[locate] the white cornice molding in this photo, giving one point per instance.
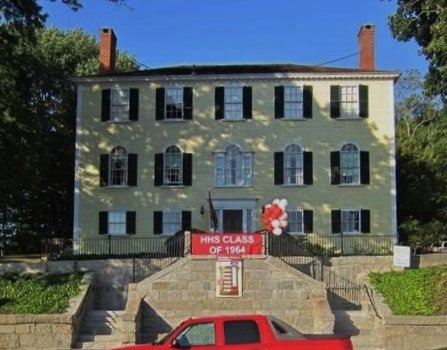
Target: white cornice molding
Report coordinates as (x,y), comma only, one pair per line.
(235,77)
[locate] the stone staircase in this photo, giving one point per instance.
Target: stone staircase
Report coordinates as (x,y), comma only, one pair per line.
(100,330)
(361,325)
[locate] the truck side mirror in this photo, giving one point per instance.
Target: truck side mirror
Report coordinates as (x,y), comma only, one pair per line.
(176,344)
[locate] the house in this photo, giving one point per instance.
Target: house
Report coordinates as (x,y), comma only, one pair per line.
(152,144)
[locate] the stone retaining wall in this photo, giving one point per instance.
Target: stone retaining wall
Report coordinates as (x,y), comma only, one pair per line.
(52,331)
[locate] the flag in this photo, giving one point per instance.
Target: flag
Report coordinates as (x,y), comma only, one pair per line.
(213,214)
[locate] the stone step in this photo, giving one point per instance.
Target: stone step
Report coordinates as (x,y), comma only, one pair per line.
(99,338)
(98,328)
(96,346)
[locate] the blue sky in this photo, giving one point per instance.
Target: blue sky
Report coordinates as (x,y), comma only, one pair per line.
(174,32)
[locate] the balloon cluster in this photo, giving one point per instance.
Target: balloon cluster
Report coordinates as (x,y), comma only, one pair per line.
(275,217)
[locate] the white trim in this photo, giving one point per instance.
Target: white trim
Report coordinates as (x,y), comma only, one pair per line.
(77,185)
(180,79)
(393,191)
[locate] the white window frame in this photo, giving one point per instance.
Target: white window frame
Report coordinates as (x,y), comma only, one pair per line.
(168,166)
(293,172)
(117,227)
(176,106)
(349,102)
(295,217)
(119,105)
(351,221)
(233,102)
(175,222)
(248,207)
(121,171)
(233,167)
(293,102)
(349,164)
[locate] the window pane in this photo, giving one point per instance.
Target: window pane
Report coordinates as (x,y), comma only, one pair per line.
(349,102)
(293,165)
(198,334)
(119,105)
(350,164)
(293,102)
(118,167)
(295,221)
(233,103)
(117,222)
(173,166)
(172,221)
(174,103)
(350,221)
(241,332)
(233,167)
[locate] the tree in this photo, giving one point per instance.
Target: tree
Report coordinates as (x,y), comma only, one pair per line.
(37,130)
(425,21)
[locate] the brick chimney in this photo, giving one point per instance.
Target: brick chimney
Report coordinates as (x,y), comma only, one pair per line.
(367,60)
(107,51)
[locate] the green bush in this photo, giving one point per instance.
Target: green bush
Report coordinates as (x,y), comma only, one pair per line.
(37,293)
(413,292)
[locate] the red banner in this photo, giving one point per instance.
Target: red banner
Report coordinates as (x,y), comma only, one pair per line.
(227,244)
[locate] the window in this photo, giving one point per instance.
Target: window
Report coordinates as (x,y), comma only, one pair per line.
(349,102)
(197,334)
(233,102)
(117,222)
(293,102)
(241,332)
(293,166)
(350,221)
(299,221)
(119,105)
(349,166)
(119,168)
(173,167)
(174,103)
(235,215)
(170,221)
(233,167)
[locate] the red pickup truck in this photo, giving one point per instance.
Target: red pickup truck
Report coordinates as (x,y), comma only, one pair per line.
(242,332)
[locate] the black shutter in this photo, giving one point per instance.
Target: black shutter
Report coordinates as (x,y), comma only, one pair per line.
(279,102)
(131,220)
(132,169)
(364,167)
(187,103)
(308,168)
(133,104)
(335,168)
(158,222)
(363,101)
(187,169)
(105,105)
(103,222)
(336,221)
(219,102)
(247,98)
(308,219)
(186,220)
(278,168)
(158,169)
(160,104)
(307,101)
(335,101)
(104,170)
(365,216)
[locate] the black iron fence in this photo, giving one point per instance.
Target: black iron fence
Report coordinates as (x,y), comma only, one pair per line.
(279,246)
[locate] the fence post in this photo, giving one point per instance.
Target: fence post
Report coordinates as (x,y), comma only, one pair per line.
(321,267)
(110,245)
(342,244)
(133,270)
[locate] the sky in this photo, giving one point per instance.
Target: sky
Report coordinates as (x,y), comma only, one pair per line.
(162,33)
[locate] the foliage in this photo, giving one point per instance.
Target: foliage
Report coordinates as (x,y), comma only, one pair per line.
(37,130)
(38,293)
(425,21)
(422,236)
(413,292)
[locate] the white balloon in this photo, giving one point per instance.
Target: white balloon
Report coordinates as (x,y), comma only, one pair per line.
(277,231)
(283,223)
(268,206)
(275,223)
(283,203)
(284,216)
(277,202)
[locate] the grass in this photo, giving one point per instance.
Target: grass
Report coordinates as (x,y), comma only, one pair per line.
(420,292)
(38,293)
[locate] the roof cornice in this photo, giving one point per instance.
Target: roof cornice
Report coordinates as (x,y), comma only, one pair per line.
(378,75)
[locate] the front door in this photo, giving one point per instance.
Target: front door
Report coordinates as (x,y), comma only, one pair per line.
(232,220)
